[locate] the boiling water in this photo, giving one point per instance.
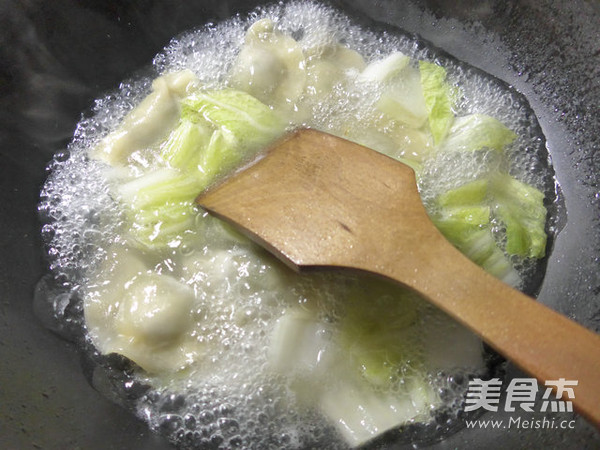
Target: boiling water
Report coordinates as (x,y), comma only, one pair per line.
(231,399)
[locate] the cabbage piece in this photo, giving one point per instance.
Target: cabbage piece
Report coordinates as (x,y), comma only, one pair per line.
(448,345)
(242,125)
(438,99)
(476,132)
(404,144)
(339,379)
(468,194)
(468,228)
(521,209)
(300,342)
(378,344)
(161,206)
(164,225)
(248,122)
(477,243)
(159,187)
(459,223)
(270,66)
(518,206)
(412,144)
(402,98)
(220,155)
(463,217)
(185,143)
(359,413)
(385,69)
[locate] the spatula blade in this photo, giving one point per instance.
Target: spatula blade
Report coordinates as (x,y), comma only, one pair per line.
(315,199)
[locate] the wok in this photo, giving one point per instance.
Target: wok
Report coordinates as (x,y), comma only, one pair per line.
(56,57)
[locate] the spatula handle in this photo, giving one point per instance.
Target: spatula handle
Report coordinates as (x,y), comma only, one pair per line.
(540,341)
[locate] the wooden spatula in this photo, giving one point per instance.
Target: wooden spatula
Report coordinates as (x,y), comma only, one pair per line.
(316,200)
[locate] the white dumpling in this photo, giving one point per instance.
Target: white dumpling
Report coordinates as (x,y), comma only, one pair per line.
(330,67)
(101,301)
(147,317)
(155,308)
(270,66)
(148,122)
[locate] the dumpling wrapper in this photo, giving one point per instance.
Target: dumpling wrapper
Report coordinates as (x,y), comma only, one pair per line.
(150,121)
(146,317)
(270,66)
